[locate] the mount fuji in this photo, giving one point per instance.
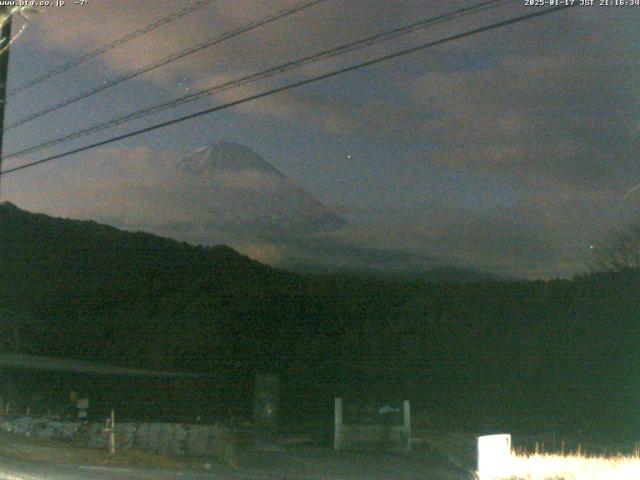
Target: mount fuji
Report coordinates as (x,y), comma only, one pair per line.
(241,192)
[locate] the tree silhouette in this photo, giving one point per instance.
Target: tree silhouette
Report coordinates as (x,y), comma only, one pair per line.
(621,252)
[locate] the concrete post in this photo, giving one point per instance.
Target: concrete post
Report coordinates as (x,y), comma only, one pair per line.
(406,408)
(337,435)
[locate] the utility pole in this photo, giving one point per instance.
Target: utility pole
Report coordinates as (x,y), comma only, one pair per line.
(5,40)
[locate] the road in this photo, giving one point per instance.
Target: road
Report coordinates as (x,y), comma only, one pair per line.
(11,469)
(311,464)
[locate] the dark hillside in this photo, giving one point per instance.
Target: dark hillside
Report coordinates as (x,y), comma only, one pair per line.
(555,355)
(93,284)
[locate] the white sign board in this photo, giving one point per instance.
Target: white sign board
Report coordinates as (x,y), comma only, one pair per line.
(494,452)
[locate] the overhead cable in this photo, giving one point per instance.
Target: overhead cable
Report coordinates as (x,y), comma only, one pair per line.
(293,85)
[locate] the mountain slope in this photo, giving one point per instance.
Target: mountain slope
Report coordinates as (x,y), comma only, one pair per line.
(223,157)
(240,191)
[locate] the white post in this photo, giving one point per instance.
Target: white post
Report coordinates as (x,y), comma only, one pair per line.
(337,433)
(406,407)
(494,452)
(112,434)
(110,428)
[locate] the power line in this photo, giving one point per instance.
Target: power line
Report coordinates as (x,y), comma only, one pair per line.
(270,72)
(110,46)
(290,86)
(172,58)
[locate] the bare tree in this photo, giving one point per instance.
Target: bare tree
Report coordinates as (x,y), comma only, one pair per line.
(621,252)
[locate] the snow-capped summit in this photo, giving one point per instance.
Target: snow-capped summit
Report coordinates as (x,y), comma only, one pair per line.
(242,192)
(225,156)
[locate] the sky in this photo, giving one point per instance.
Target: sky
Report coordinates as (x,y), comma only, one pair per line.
(509,151)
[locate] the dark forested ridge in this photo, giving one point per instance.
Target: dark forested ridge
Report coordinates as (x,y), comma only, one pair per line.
(542,355)
(88,283)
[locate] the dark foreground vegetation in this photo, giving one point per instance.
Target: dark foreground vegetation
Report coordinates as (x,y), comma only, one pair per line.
(558,355)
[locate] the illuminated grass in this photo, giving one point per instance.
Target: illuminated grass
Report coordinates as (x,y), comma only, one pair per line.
(570,467)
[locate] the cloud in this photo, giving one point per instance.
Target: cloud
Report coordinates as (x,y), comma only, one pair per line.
(338,117)
(114,182)
(79,29)
(541,116)
(136,188)
(559,114)
(141,188)
(263,252)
